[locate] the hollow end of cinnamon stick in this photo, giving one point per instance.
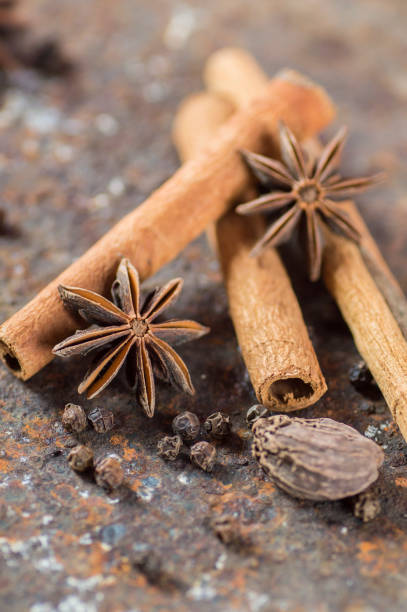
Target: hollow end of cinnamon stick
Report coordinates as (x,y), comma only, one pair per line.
(12,362)
(288,394)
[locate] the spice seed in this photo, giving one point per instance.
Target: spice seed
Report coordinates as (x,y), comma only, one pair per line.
(80,458)
(203,455)
(169,447)
(187,425)
(102,419)
(317,459)
(367,505)
(229,530)
(255,412)
(109,473)
(217,425)
(74,418)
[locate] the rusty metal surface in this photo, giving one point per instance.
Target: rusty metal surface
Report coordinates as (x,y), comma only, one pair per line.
(75,156)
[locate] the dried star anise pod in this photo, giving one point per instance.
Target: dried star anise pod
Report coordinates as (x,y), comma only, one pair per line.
(126,330)
(305,189)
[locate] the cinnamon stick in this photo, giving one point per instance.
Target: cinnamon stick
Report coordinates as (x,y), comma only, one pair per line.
(159,229)
(376,333)
(275,345)
(369,297)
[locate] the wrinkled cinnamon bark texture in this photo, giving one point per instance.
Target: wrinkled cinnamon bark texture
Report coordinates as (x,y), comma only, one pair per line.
(318,459)
(275,345)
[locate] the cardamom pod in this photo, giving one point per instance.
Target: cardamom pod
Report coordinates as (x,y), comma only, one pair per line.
(318,459)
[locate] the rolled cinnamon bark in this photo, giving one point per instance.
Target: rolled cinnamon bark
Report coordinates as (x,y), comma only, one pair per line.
(275,345)
(376,333)
(369,297)
(156,231)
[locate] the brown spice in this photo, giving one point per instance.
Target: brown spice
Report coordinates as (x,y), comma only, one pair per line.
(229,530)
(304,189)
(317,459)
(102,419)
(128,333)
(187,425)
(80,458)
(367,505)
(257,411)
(217,425)
(169,447)
(109,473)
(74,418)
(203,455)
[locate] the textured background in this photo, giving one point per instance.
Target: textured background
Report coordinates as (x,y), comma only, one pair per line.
(75,157)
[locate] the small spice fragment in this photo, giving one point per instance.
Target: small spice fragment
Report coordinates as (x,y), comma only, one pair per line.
(362,380)
(152,566)
(169,447)
(367,505)
(109,473)
(187,425)
(74,418)
(217,425)
(127,330)
(102,419)
(203,455)
(229,530)
(255,412)
(80,458)
(317,459)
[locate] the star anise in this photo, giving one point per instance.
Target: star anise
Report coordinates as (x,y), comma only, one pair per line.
(127,333)
(305,189)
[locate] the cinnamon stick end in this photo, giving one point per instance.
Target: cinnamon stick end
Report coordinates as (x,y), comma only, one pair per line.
(291,393)
(11,361)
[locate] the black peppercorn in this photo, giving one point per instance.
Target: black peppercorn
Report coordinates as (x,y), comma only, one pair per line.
(186,425)
(169,447)
(217,425)
(74,418)
(102,419)
(203,455)
(255,412)
(80,458)
(109,473)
